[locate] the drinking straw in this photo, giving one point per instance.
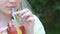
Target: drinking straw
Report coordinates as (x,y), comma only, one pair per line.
(18,30)
(14,15)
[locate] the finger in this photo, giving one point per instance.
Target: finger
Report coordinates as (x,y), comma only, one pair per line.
(24,11)
(21,12)
(26,15)
(11,23)
(30,19)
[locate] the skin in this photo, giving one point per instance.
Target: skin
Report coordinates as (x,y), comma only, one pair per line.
(1,32)
(25,14)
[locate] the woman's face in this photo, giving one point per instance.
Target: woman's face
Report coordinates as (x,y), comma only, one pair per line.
(7,5)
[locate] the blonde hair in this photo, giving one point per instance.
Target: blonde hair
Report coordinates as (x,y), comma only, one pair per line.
(24,4)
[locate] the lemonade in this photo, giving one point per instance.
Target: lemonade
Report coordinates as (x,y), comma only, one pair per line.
(15,28)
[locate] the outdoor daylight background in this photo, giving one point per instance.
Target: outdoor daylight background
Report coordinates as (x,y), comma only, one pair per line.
(48,12)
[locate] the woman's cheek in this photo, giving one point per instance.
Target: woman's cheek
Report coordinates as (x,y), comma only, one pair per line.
(3,2)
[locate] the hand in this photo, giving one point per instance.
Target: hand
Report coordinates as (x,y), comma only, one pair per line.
(28,20)
(11,29)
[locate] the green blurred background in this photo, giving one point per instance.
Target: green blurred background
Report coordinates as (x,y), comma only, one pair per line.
(48,12)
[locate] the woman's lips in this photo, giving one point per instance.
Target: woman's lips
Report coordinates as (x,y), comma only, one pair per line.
(10,7)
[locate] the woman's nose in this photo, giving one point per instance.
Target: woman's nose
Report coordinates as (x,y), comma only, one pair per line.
(12,1)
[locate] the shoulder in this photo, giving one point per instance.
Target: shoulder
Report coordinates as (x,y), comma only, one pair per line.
(37,21)
(38,27)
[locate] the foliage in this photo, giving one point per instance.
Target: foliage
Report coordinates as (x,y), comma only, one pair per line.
(48,12)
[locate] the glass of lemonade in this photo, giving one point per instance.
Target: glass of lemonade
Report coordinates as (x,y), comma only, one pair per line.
(13,27)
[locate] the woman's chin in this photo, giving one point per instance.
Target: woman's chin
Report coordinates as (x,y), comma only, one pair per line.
(9,13)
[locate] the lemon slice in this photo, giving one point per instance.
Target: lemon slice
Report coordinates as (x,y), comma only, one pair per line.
(19,31)
(19,20)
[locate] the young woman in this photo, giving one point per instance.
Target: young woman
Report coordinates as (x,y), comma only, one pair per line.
(30,23)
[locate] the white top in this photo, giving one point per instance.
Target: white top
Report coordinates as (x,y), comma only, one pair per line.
(38,27)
